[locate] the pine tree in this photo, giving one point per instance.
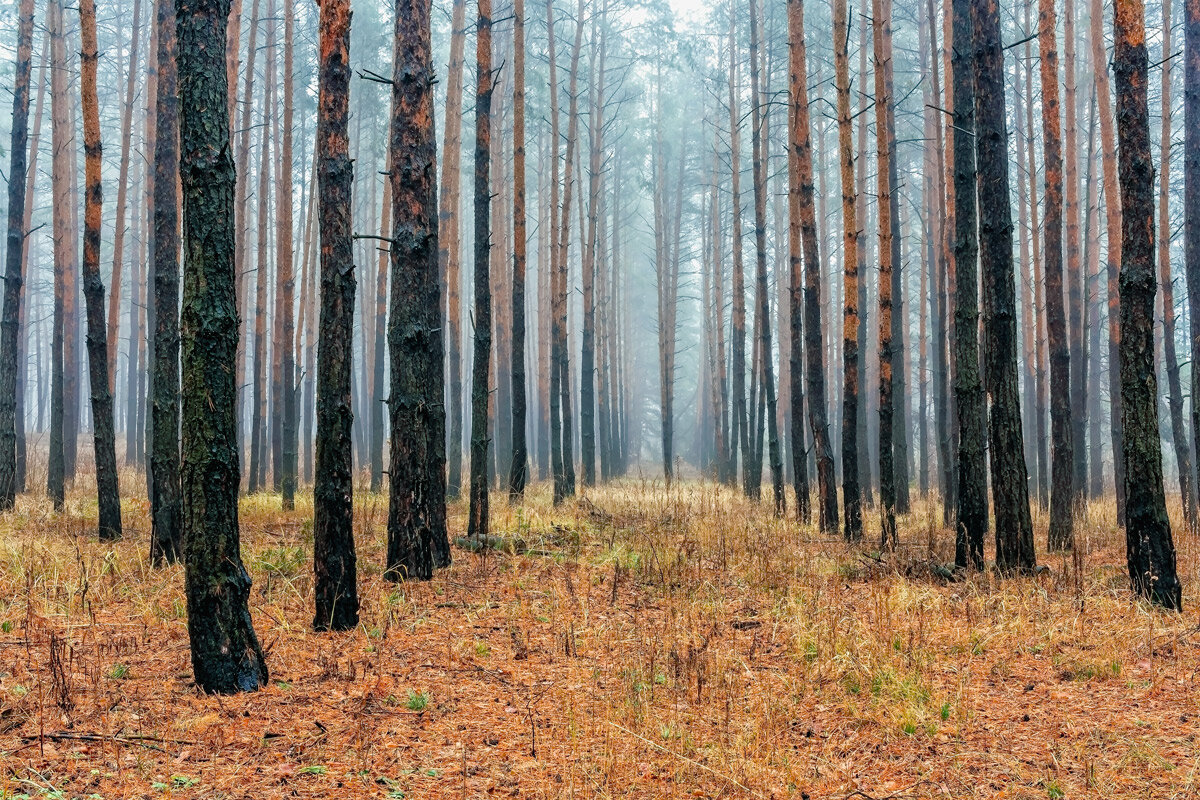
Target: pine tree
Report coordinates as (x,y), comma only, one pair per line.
(226,656)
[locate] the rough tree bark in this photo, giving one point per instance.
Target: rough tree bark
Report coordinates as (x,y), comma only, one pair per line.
(14,259)
(118,259)
(803,216)
(740,438)
(449,247)
(887,485)
(226,656)
(762,318)
(1150,551)
(61,190)
(166,543)
(1112,210)
(1062,462)
(851,491)
(417,540)
(285,278)
(1010,480)
(1191,188)
(334,563)
(1179,438)
(519,469)
(968,386)
(104,438)
(477,523)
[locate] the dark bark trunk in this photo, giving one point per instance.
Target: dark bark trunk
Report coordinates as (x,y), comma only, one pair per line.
(104,438)
(519,469)
(286,325)
(1150,551)
(226,656)
(477,524)
(417,539)
(1010,480)
(166,544)
(887,476)
(1191,192)
(968,387)
(334,563)
(14,260)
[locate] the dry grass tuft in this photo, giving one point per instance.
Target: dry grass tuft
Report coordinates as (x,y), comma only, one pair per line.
(643,643)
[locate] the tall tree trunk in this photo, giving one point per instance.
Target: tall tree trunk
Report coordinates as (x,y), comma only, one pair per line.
(564,235)
(449,242)
(968,386)
(851,491)
(803,216)
(519,470)
(1191,193)
(1010,480)
(22,361)
(887,485)
(241,210)
(118,262)
(1074,264)
(258,444)
(477,524)
(166,543)
(1062,497)
(14,269)
(1040,350)
(286,277)
(900,400)
(556,299)
(335,567)
(226,656)
(135,453)
(941,264)
(587,359)
(759,147)
(61,191)
(417,539)
(741,429)
(1150,551)
(1179,437)
(103,434)
(1113,226)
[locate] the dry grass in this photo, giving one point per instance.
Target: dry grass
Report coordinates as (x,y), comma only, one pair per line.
(651,643)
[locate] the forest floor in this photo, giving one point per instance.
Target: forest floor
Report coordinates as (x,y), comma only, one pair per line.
(646,643)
